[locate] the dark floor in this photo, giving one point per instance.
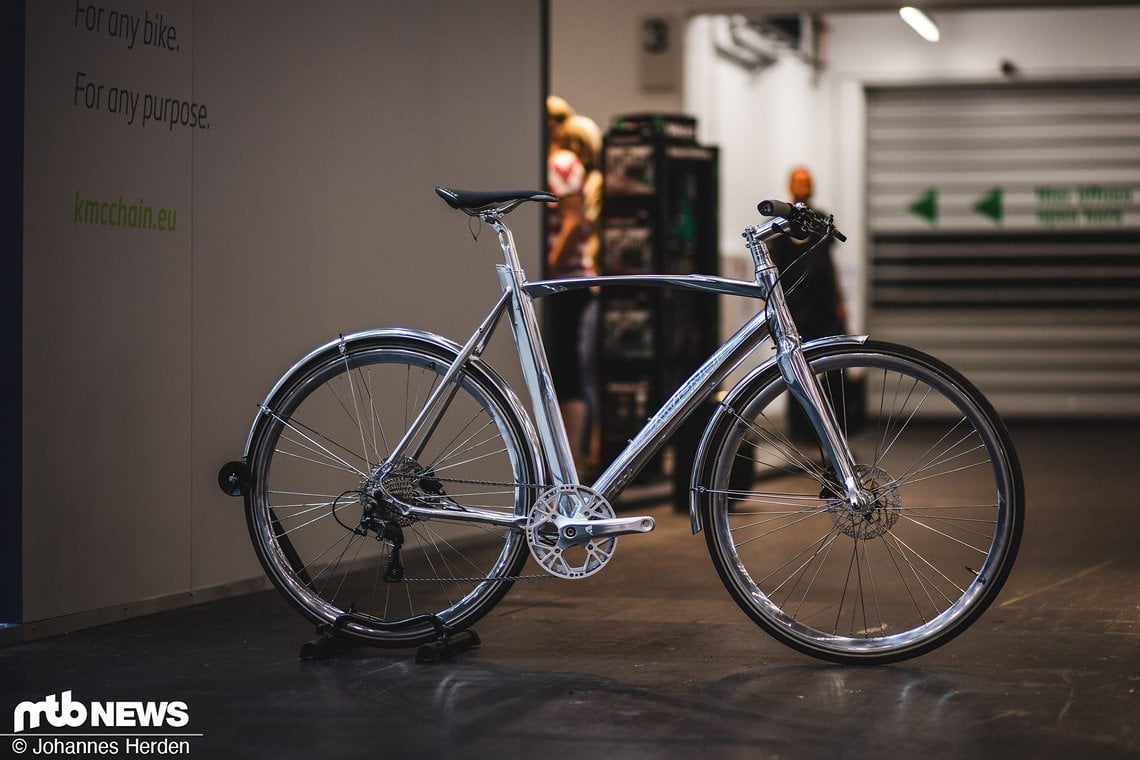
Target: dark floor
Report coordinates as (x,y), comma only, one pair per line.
(652,659)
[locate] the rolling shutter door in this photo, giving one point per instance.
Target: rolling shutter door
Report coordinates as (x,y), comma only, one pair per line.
(1005,239)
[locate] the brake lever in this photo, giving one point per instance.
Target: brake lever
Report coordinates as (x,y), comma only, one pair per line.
(815,220)
(800,219)
(833,231)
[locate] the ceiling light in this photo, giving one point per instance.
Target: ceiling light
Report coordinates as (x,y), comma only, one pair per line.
(920,23)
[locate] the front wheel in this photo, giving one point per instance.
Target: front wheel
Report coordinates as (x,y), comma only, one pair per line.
(332,543)
(912,567)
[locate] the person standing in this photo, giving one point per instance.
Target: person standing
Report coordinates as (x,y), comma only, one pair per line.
(807,272)
(572,176)
(811,288)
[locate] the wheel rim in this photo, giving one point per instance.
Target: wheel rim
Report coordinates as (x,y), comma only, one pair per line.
(322,528)
(907,573)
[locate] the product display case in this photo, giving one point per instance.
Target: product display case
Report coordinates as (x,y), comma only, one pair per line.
(659,216)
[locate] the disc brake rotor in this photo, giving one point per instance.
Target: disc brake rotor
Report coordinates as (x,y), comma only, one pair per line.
(882,513)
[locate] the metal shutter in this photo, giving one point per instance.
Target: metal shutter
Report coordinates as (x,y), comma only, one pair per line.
(1005,238)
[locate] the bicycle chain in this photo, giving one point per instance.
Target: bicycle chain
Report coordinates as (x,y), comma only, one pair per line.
(512,578)
(544,577)
(544,486)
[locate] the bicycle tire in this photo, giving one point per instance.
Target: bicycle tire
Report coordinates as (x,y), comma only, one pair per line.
(313,455)
(912,571)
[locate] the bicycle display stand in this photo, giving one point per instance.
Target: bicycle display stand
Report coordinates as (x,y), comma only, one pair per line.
(234,479)
(448,646)
(332,643)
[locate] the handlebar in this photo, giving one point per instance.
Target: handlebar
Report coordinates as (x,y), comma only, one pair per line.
(803,222)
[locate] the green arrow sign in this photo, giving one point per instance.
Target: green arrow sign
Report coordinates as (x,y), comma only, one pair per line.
(990,205)
(926,206)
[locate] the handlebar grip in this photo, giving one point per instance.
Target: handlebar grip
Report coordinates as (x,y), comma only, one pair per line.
(774,208)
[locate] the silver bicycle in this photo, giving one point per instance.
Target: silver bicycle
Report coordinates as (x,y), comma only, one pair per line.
(395,485)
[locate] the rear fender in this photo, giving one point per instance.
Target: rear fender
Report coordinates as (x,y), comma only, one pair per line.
(445,348)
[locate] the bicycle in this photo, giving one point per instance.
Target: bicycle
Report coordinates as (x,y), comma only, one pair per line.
(395,485)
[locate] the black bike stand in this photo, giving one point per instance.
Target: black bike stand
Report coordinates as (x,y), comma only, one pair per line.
(447,646)
(331,641)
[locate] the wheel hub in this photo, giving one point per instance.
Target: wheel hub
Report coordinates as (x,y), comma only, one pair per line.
(882,510)
(405,481)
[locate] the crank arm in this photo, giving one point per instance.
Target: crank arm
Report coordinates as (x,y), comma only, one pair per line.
(572,532)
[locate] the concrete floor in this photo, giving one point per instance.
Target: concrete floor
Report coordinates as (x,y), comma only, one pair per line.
(651,658)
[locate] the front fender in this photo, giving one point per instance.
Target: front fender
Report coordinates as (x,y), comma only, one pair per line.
(702,466)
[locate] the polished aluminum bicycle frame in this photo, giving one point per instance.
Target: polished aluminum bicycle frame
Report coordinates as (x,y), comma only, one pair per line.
(517,302)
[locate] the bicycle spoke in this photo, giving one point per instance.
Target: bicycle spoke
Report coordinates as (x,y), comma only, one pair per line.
(316,446)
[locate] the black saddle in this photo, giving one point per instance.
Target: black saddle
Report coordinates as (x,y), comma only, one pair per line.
(474,202)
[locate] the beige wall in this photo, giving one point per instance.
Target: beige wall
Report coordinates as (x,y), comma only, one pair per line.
(306,208)
(594,55)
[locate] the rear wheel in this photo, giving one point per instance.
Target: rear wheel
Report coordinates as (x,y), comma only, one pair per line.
(322,527)
(907,571)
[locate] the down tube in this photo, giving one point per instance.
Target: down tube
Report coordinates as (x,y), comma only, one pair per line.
(679,406)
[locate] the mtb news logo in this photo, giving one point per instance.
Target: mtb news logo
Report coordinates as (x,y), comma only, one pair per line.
(61,711)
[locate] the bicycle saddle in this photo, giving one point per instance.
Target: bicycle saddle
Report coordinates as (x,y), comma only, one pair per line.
(474,201)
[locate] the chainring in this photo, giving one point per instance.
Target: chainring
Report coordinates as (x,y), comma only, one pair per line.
(544,524)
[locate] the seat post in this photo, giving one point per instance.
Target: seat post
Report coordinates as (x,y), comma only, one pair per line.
(533,361)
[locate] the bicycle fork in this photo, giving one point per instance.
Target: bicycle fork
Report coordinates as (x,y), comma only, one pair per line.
(797,374)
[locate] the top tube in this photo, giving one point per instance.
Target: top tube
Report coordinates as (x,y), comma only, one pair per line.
(698,282)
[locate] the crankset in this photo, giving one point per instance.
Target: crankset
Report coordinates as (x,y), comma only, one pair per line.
(572,531)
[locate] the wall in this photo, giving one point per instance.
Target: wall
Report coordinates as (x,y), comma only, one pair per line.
(298,205)
(11,307)
(594,48)
(595,51)
(766,121)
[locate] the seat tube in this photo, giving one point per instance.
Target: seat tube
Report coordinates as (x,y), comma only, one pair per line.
(535,367)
